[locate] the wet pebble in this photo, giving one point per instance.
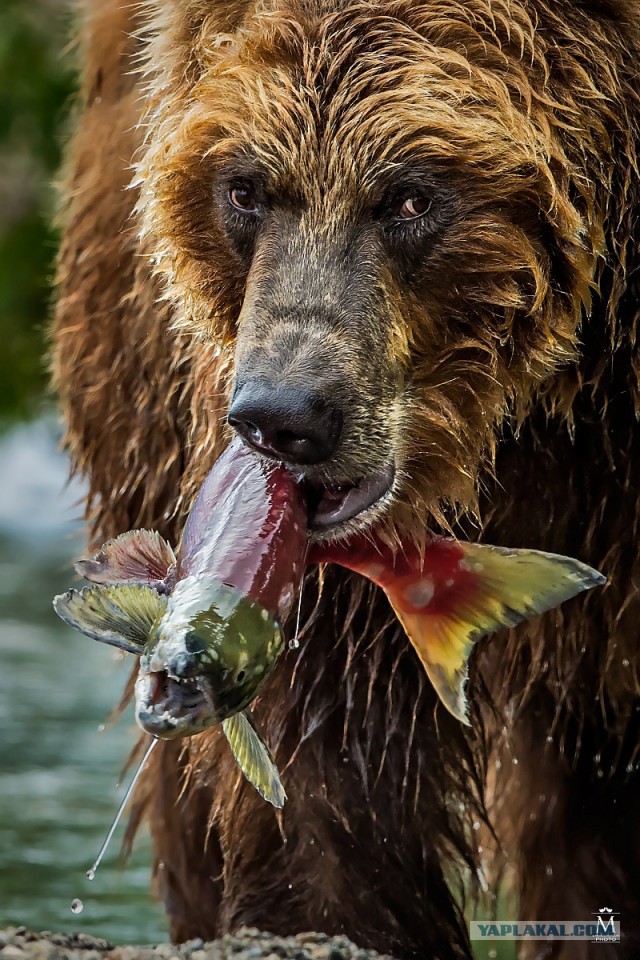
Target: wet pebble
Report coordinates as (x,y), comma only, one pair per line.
(247,944)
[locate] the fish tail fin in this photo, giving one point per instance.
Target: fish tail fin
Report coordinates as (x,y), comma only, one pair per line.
(505,587)
(121,616)
(135,557)
(254,757)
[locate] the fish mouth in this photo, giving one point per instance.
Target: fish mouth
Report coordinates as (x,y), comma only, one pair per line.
(169,707)
(330,506)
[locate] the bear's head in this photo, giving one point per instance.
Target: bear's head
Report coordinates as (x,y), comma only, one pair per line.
(383,213)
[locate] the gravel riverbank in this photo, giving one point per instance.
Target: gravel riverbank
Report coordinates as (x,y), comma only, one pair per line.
(18,943)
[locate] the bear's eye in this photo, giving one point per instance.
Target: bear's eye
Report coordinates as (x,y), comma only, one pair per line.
(242,196)
(414,207)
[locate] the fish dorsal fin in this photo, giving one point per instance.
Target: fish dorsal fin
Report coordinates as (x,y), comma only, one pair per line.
(508,586)
(254,757)
(138,556)
(121,616)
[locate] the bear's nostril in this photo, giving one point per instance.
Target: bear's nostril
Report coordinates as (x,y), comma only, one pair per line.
(252,433)
(285,438)
(290,423)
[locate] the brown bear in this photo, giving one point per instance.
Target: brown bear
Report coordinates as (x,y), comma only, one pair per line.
(396,239)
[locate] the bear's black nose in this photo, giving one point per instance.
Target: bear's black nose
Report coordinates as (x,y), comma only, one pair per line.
(289,423)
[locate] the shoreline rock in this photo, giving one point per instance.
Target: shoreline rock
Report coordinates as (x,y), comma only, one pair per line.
(18,943)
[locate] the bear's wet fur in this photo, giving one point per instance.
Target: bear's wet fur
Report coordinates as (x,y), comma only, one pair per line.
(489,348)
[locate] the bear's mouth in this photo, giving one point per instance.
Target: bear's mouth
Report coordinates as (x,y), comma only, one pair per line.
(169,707)
(333,505)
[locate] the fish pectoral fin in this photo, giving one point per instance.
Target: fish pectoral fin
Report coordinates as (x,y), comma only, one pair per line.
(254,757)
(121,616)
(135,557)
(508,586)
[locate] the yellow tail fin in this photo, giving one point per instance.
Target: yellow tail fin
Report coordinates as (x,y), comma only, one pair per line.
(511,586)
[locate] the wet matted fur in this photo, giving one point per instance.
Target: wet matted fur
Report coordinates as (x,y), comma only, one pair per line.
(489,350)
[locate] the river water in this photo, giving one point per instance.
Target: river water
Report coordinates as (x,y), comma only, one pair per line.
(58,770)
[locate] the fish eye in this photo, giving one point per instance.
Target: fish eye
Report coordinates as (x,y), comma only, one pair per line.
(241,675)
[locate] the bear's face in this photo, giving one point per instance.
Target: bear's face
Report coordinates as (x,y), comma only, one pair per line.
(373,212)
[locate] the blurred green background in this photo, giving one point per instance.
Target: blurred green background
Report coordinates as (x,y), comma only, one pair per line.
(36,81)
(58,768)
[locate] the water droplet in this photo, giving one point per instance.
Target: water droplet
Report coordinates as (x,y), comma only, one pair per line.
(498,764)
(102,727)
(548,870)
(290,886)
(625,662)
(77,906)
(515,761)
(91,872)
(294,644)
(549,739)
(492,954)
(476,825)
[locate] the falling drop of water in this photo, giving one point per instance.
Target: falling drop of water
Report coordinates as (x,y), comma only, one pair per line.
(91,872)
(77,906)
(294,643)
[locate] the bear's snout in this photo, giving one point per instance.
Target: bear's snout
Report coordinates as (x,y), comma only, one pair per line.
(290,423)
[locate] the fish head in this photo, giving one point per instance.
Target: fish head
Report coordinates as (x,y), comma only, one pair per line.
(205,659)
